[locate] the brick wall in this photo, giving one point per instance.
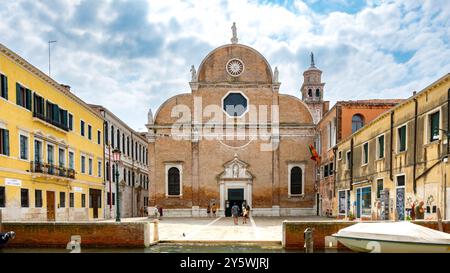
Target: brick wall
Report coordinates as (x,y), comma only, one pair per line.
(293,231)
(92,234)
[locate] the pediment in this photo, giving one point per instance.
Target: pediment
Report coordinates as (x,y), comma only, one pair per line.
(235,169)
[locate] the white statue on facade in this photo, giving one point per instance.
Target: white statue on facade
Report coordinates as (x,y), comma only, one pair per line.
(275,75)
(234,39)
(235,171)
(193,74)
(150,116)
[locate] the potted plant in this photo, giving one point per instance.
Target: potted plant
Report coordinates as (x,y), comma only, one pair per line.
(351,217)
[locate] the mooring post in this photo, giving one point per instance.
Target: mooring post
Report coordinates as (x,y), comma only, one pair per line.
(439,218)
(1,221)
(155,230)
(309,240)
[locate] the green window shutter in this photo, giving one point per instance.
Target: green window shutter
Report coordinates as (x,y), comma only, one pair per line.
(18,96)
(381,147)
(28,99)
(4,87)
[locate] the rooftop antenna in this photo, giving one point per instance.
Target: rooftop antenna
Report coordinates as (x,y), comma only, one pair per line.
(49,67)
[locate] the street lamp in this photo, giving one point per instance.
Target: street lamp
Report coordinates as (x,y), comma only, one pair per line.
(116,159)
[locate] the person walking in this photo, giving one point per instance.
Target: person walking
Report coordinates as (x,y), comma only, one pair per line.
(208,210)
(244,215)
(214,209)
(235,213)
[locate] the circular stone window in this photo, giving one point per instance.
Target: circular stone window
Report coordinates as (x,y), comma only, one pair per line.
(235,67)
(235,104)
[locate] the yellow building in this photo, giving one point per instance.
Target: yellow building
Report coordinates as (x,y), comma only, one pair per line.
(51,147)
(398,160)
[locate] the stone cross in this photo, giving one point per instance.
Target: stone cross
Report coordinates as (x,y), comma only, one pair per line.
(234,40)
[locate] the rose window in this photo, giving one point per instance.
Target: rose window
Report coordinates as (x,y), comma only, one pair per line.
(235,67)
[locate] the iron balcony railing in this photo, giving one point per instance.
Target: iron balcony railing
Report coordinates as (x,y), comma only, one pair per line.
(46,168)
(51,121)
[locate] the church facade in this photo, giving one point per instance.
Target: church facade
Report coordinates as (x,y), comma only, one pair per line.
(235,139)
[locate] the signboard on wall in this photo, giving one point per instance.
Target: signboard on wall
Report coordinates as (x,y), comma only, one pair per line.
(77,189)
(13,182)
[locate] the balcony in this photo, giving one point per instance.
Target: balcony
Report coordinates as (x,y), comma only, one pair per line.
(50,121)
(50,169)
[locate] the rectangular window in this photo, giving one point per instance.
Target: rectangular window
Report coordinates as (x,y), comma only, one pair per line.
(2,197)
(434,126)
(4,142)
(38,199)
(339,155)
(380,143)
(113,199)
(71,161)
(99,169)
(62,199)
(402,138)
(342,202)
(38,106)
(83,164)
(82,128)
(70,122)
(62,157)
(50,159)
(23,147)
(379,187)
(3,86)
(99,137)
(400,181)
(330,171)
(325,172)
(89,132)
(366,201)
(83,200)
(37,151)
(365,158)
(90,166)
(24,200)
(23,96)
(72,200)
(108,199)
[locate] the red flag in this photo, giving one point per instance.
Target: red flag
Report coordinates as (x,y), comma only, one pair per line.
(314,155)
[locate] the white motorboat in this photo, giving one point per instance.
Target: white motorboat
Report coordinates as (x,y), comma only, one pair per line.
(393,237)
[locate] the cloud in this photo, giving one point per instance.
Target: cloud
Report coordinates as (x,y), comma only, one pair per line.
(130,55)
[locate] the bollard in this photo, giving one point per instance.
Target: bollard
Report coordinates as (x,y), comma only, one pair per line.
(309,240)
(155,230)
(75,244)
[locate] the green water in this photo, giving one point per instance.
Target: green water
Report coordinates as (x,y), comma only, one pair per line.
(171,248)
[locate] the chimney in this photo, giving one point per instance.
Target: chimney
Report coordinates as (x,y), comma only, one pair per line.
(414,93)
(65,86)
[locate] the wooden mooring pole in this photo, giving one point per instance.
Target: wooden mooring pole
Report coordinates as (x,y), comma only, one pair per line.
(439,218)
(1,221)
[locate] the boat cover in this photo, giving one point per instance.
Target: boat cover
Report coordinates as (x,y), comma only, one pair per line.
(395,231)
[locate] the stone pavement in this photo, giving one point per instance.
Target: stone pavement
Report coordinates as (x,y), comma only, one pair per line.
(222,229)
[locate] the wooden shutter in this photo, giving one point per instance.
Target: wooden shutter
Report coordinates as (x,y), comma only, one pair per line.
(6,141)
(4,82)
(18,96)
(28,99)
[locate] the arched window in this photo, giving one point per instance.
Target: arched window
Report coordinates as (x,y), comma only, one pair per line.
(296,180)
(357,122)
(173,181)
(113,173)
(309,92)
(123,144)
(107,171)
(112,136)
(317,93)
(118,139)
(124,174)
(128,146)
(106,133)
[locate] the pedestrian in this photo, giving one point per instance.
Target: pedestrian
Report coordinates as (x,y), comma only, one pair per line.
(419,211)
(235,212)
(208,210)
(214,209)
(244,215)
(5,237)
(160,210)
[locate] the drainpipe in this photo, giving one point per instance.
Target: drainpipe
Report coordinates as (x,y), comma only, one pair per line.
(351,164)
(415,145)
(132,175)
(334,170)
(391,175)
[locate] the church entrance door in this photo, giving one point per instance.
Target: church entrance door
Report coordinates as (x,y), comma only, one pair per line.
(235,196)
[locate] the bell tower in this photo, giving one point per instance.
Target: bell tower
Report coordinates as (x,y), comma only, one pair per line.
(312,91)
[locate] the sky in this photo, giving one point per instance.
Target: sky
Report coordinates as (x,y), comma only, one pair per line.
(132,55)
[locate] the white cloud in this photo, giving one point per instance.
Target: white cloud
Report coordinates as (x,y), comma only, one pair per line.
(135,55)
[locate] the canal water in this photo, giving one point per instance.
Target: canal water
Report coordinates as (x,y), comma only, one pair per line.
(172,248)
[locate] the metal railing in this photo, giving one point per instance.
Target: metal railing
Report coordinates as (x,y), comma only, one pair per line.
(50,169)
